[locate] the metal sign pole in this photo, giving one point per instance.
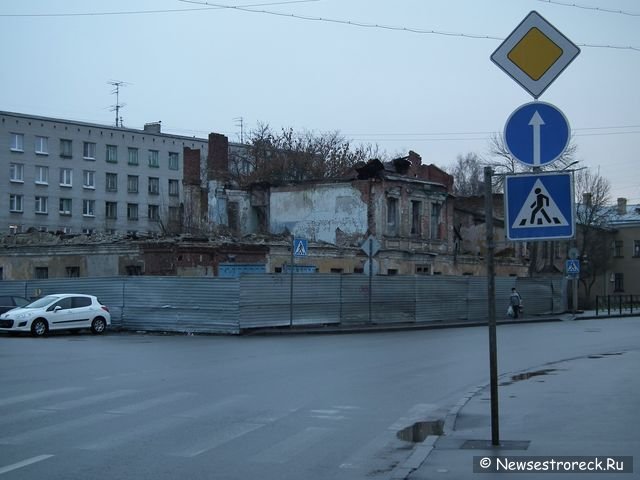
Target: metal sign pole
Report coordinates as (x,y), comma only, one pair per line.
(293,246)
(370,276)
(491,301)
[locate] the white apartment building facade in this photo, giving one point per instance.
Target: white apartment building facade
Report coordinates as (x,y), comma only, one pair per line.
(76,177)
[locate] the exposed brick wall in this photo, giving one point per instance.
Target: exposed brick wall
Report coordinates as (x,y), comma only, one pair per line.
(191,169)
(218,159)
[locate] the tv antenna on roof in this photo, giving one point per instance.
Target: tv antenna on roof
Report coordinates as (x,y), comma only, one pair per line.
(116,108)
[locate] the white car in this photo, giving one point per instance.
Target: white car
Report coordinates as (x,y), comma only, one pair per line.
(57,312)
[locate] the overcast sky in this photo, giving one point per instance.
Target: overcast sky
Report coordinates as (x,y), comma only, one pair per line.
(439,95)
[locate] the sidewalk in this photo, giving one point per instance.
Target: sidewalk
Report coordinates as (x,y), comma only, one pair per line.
(582,407)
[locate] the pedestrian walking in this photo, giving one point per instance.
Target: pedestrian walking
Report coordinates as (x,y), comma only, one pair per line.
(515,301)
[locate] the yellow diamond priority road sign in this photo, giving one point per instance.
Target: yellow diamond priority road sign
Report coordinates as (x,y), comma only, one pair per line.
(535,54)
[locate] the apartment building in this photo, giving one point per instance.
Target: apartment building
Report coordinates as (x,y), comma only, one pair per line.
(77,177)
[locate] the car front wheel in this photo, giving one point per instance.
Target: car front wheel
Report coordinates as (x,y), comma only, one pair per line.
(39,327)
(98,325)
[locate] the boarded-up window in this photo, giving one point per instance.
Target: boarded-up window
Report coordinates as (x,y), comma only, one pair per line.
(416,217)
(392,216)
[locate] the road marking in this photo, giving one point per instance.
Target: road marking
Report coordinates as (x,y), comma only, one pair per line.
(24,463)
(24,415)
(42,432)
(294,445)
(150,429)
(207,410)
(37,395)
(220,437)
(154,402)
(90,400)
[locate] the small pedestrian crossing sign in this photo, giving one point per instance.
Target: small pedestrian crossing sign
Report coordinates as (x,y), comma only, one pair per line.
(573,268)
(539,206)
(300,247)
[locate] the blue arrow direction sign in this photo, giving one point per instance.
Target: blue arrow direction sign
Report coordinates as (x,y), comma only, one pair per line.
(300,247)
(537,133)
(539,206)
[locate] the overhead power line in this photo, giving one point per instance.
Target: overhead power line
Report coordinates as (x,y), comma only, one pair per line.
(146,12)
(585,7)
(353,23)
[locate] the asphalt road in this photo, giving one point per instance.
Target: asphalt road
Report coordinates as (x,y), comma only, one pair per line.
(125,406)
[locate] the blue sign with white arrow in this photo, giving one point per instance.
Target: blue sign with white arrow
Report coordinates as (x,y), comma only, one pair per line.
(539,206)
(537,133)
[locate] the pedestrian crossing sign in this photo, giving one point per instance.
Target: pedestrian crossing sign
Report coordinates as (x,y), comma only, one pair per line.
(300,247)
(573,267)
(539,206)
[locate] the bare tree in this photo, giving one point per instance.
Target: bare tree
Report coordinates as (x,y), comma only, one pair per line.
(297,156)
(593,239)
(468,175)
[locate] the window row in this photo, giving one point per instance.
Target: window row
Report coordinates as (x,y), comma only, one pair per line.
(16,144)
(16,175)
(65,207)
(617,248)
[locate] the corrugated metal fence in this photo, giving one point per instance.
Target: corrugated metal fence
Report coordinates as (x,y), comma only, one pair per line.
(230,305)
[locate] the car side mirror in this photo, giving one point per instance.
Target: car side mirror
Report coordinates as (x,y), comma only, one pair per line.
(58,307)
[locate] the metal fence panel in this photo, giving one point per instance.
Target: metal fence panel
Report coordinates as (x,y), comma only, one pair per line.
(267,300)
(440,298)
(14,287)
(181,304)
(537,295)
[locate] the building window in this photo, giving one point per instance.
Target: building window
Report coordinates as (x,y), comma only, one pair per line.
(154,185)
(174,161)
(65,206)
(16,172)
(65,148)
(17,142)
(133,156)
(392,216)
(73,272)
(112,182)
(154,213)
(618,282)
(174,214)
(89,208)
(392,271)
(13,229)
(89,151)
(174,188)
(416,217)
(636,248)
(153,158)
(66,177)
(42,145)
(42,273)
(15,203)
(112,153)
(111,210)
(617,247)
(132,211)
(436,210)
(89,179)
(132,184)
(423,270)
(42,205)
(88,231)
(133,270)
(65,229)
(42,175)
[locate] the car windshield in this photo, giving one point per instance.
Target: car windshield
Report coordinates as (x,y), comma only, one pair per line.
(42,302)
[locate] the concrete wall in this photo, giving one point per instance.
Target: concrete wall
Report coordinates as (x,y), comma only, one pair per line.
(317,212)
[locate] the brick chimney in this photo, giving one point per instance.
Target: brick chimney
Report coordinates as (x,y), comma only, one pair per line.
(218,157)
(622,206)
(153,127)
